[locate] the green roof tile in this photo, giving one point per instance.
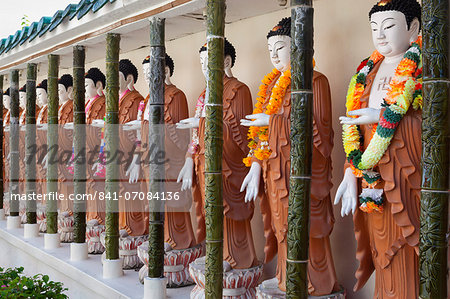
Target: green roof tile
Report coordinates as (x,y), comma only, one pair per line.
(56,20)
(99,4)
(44,25)
(16,38)
(2,45)
(80,5)
(32,29)
(24,35)
(9,42)
(85,9)
(70,9)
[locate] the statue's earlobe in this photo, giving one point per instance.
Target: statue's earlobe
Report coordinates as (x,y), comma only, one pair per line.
(414,28)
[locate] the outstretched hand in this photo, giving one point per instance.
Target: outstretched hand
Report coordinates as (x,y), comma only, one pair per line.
(366,116)
(188,123)
(256,120)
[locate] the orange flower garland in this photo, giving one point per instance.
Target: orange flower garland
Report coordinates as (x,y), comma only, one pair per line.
(259,135)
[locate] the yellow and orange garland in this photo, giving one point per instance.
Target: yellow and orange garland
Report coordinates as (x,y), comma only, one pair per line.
(258,136)
(405,90)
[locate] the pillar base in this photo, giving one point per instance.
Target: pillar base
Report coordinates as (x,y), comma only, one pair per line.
(78,252)
(51,241)
(13,222)
(155,288)
(112,268)
(2,214)
(31,230)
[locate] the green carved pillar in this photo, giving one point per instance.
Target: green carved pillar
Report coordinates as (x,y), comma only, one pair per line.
(51,205)
(156,138)
(14,143)
(30,142)
(215,26)
(79,144)
(2,211)
(435,151)
(112,144)
(301,148)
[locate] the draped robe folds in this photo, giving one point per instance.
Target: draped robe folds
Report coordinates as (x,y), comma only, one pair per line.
(238,248)
(95,110)
(65,142)
(6,145)
(274,201)
(22,136)
(388,241)
(178,231)
(131,212)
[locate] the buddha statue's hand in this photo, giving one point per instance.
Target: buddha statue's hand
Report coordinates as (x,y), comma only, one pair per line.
(251,182)
(133,170)
(68,126)
(365,116)
(256,120)
(188,123)
(100,123)
(186,173)
(44,161)
(132,125)
(348,192)
(42,127)
(6,128)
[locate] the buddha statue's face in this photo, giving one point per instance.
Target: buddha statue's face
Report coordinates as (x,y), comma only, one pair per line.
(123,84)
(390,33)
(204,62)
(6,101)
(146,70)
(90,89)
(280,51)
(41,97)
(22,99)
(62,93)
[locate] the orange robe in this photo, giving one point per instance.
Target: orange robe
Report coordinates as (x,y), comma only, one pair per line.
(178,231)
(131,213)
(238,247)
(388,241)
(274,203)
(94,209)
(65,115)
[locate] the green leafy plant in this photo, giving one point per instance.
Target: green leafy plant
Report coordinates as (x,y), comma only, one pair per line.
(14,284)
(25,21)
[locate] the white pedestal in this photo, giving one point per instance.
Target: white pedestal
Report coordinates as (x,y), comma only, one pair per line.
(30,231)
(155,288)
(2,214)
(78,251)
(13,222)
(112,268)
(51,241)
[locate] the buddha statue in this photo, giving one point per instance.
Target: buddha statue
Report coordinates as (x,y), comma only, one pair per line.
(6,120)
(42,102)
(22,104)
(6,106)
(384,106)
(95,108)
(65,141)
(269,159)
(238,248)
(178,231)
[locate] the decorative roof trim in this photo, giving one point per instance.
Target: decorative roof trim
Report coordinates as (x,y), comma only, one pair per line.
(101,31)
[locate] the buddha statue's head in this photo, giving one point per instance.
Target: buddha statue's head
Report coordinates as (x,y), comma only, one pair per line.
(168,72)
(6,99)
(128,75)
(94,83)
(65,88)
(23,96)
(228,62)
(395,25)
(41,93)
(279,44)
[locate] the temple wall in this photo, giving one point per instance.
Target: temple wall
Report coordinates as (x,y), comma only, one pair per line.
(342,40)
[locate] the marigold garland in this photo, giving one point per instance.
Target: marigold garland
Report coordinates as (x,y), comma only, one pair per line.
(405,90)
(259,135)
